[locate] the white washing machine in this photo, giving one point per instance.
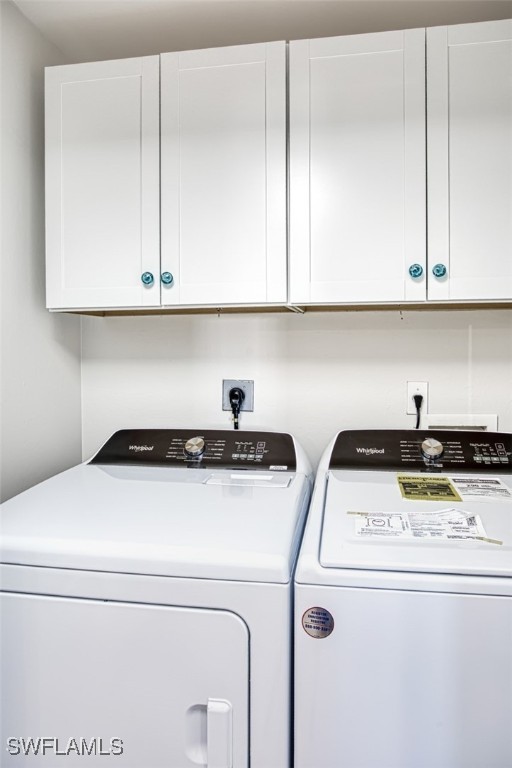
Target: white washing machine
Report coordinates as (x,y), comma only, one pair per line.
(403,604)
(146,604)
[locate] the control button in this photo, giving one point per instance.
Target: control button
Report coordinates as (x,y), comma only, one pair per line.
(504,459)
(495,459)
(194,447)
(431,448)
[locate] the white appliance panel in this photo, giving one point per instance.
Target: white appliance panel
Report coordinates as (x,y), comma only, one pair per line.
(406,679)
(170,708)
(349,493)
(158,520)
(402,647)
(145,592)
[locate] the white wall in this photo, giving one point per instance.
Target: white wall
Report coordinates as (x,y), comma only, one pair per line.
(91,30)
(40,353)
(314,374)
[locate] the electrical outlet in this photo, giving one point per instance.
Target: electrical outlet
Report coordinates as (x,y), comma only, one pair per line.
(417,388)
(247,387)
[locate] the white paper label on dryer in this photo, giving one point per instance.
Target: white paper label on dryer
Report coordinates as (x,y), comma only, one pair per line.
(447,524)
(482,489)
(444,524)
(382,524)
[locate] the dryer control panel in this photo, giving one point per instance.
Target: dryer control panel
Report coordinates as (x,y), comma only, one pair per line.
(223,449)
(430,451)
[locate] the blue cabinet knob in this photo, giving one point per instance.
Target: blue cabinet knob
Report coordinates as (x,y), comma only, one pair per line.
(415,270)
(439,270)
(167,278)
(147,278)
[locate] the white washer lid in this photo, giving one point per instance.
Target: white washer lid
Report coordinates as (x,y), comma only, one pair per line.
(200,523)
(350,493)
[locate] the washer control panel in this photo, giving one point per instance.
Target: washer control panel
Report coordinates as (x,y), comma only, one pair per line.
(429,451)
(224,449)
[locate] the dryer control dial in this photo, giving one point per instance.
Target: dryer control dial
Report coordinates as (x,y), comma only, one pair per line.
(194,447)
(432,448)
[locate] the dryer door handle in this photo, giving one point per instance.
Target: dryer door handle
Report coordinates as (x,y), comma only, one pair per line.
(219,733)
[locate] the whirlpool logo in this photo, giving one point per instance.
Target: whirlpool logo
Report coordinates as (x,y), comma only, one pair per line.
(140,448)
(370,451)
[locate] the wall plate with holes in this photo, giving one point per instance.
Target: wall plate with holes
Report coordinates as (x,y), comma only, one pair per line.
(417,388)
(246,385)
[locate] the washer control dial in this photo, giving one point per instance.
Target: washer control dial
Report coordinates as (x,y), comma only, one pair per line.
(194,447)
(432,448)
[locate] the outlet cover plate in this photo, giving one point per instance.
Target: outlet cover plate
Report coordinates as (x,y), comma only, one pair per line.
(417,388)
(246,385)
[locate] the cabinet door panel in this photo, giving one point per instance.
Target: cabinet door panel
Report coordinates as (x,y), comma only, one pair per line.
(357,176)
(470,160)
(223,175)
(102,183)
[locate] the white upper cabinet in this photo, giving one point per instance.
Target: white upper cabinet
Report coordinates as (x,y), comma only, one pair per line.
(198,139)
(469,111)
(357,168)
(102,184)
(223,145)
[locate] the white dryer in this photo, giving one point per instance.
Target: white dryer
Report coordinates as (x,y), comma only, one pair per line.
(403,604)
(146,604)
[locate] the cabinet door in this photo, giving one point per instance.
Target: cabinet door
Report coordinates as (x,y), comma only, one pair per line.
(102,184)
(469,129)
(357,168)
(224,175)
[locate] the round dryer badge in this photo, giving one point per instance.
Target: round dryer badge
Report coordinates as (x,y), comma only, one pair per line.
(318,622)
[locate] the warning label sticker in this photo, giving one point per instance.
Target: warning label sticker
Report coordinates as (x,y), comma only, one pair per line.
(482,489)
(382,524)
(442,524)
(422,488)
(318,622)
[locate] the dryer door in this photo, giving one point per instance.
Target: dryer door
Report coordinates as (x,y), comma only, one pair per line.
(156,686)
